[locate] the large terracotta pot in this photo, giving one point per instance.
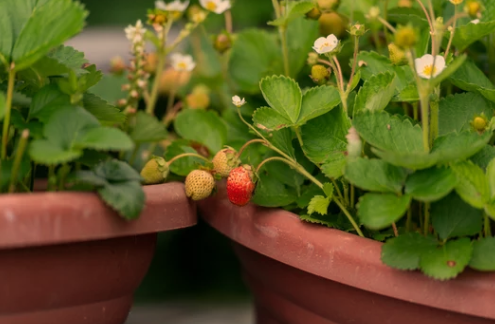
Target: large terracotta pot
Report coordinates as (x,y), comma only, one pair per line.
(301,273)
(66,258)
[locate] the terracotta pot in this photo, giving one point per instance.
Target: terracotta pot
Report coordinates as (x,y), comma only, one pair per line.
(301,273)
(66,258)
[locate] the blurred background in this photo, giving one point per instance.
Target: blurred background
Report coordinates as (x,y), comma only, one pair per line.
(194,277)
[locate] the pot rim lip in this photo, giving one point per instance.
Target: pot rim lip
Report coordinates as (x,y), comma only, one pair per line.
(345,258)
(50,218)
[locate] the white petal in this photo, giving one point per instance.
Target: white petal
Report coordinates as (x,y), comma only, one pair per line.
(332,39)
(222,7)
(320,41)
(439,65)
(203,3)
(160,5)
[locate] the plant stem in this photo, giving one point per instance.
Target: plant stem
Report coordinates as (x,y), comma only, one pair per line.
(276,7)
(8,108)
(487,226)
(387,25)
(349,217)
(353,195)
(339,193)
(415,110)
(183,155)
(339,70)
(298,134)
(171,95)
(385,17)
(434,122)
(426,223)
(228,21)
(346,193)
(451,33)
(354,63)
(241,150)
(21,147)
(430,22)
(396,231)
(134,153)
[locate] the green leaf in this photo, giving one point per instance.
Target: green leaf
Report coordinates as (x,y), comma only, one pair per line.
(89,177)
(483,258)
(375,175)
(17,120)
(316,102)
(105,138)
(457,111)
(184,165)
(252,58)
(389,133)
(319,204)
(449,70)
(296,10)
(47,101)
(328,189)
(406,16)
(117,171)
(269,119)
(48,153)
(470,78)
(376,92)
(324,137)
(483,157)
(472,184)
(452,217)
(102,110)
(431,184)
(490,177)
(110,88)
(283,95)
(307,193)
(374,64)
(272,193)
(469,33)
(283,141)
(148,129)
(201,126)
(60,61)
(2,105)
(377,211)
(404,252)
(317,220)
(6,172)
(55,20)
(127,198)
(301,34)
(447,261)
(334,166)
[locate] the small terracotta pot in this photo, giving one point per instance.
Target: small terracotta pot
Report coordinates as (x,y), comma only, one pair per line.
(66,258)
(301,273)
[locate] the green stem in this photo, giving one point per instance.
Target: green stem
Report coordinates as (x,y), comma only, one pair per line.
(241,150)
(425,121)
(183,155)
(8,108)
(434,120)
(171,95)
(337,188)
(349,217)
(21,147)
(488,229)
(451,33)
(134,153)
(426,224)
(354,64)
(346,193)
(298,134)
(415,110)
(353,195)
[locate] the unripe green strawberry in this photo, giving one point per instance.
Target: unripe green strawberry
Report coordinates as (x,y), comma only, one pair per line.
(224,161)
(240,185)
(199,184)
(314,14)
(319,73)
(155,170)
(333,23)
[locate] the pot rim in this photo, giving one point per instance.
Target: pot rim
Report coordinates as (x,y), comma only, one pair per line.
(47,218)
(345,258)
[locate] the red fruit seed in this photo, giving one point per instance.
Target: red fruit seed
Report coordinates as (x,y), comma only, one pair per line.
(240,185)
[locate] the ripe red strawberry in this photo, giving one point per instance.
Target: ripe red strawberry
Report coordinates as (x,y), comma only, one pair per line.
(240,185)
(199,184)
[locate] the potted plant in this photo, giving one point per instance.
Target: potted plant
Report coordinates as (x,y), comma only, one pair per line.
(392,149)
(69,256)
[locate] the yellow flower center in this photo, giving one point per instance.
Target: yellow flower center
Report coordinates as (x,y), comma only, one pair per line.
(210,5)
(456,2)
(429,70)
(324,45)
(182,65)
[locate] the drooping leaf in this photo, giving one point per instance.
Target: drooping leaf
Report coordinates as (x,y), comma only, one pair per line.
(452,217)
(376,92)
(102,110)
(472,184)
(446,261)
(431,184)
(116,171)
(470,78)
(60,61)
(377,211)
(375,175)
(404,252)
(319,204)
(457,111)
(147,129)
(469,33)
(483,258)
(254,57)
(201,126)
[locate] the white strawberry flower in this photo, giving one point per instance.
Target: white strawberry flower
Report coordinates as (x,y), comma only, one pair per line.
(326,44)
(135,33)
(182,63)
(238,102)
(428,66)
(175,5)
(475,21)
(216,6)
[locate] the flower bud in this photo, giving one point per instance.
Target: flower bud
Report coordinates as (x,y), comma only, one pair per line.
(354,144)
(155,171)
(373,13)
(117,65)
(480,123)
(222,43)
(319,73)
(171,79)
(473,9)
(332,23)
(313,14)
(405,4)
(397,56)
(405,37)
(357,30)
(199,98)
(150,62)
(326,5)
(313,58)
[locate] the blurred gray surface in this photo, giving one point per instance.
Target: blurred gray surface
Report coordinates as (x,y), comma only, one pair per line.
(187,313)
